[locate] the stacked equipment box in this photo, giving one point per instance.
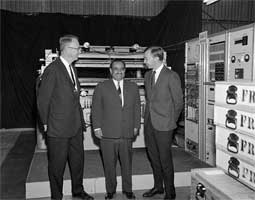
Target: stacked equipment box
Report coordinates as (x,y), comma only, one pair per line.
(235,130)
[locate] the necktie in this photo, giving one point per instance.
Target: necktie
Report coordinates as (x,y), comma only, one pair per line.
(72,76)
(119,92)
(153,79)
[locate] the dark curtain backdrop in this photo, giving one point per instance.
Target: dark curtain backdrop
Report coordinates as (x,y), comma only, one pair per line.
(24,38)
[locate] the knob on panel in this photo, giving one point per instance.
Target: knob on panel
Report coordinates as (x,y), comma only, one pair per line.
(233,59)
(246,57)
(200,190)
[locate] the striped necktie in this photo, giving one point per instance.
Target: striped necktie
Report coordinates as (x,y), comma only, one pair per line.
(72,75)
(119,92)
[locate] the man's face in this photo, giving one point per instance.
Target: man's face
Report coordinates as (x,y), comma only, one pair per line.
(118,71)
(149,60)
(73,49)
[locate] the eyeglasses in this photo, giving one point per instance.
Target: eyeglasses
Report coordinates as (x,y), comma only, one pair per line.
(76,48)
(118,69)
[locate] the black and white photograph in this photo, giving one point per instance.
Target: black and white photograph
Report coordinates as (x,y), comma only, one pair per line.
(127,99)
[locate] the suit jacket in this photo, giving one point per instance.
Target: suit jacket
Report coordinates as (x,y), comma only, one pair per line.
(164,102)
(58,101)
(108,114)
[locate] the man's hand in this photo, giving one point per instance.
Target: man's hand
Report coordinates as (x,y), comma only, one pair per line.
(45,127)
(136,132)
(98,133)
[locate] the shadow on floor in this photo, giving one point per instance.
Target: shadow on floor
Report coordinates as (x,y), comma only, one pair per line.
(14,168)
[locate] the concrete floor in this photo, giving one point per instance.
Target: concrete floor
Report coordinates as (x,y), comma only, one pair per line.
(18,153)
(7,140)
(182,193)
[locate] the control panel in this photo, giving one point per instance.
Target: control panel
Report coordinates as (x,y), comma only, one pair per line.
(241,54)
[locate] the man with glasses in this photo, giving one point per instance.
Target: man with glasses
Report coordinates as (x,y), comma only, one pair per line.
(116,120)
(60,111)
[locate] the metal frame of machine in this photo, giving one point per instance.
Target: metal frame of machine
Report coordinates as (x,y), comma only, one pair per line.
(224,132)
(224,56)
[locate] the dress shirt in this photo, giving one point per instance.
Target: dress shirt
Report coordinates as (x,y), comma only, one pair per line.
(121,87)
(157,72)
(68,70)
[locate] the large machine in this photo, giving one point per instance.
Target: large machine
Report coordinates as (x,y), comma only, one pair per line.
(220,113)
(204,64)
(225,56)
(93,67)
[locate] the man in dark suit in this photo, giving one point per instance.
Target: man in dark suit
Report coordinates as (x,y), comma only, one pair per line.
(116,119)
(164,102)
(61,114)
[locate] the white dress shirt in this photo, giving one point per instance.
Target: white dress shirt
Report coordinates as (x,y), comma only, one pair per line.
(121,87)
(68,70)
(157,72)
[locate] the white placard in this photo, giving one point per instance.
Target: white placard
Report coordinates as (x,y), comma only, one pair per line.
(234,119)
(233,93)
(234,142)
(236,168)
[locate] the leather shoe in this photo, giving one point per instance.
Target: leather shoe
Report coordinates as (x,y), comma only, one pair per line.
(109,195)
(172,196)
(129,195)
(83,196)
(152,192)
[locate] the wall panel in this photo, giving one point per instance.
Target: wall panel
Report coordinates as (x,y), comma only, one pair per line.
(88,7)
(226,14)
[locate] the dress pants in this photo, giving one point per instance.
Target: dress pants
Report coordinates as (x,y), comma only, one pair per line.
(158,145)
(112,149)
(61,151)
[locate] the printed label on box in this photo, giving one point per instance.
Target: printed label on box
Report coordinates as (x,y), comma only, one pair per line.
(234,119)
(236,168)
(236,143)
(235,94)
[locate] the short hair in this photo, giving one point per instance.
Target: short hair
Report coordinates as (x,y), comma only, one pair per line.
(66,39)
(117,60)
(156,52)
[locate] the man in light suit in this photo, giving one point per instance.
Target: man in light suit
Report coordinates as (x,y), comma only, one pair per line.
(164,102)
(61,114)
(116,119)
